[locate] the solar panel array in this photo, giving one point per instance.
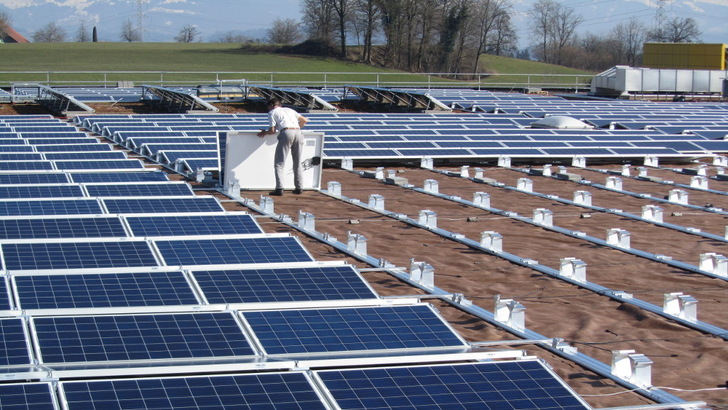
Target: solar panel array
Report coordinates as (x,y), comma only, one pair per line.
(500,126)
(124,289)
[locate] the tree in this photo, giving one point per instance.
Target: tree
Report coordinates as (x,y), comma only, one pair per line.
(82,35)
(492,29)
(4,22)
(95,35)
(284,31)
(50,33)
(130,33)
(318,19)
(553,26)
(188,34)
(343,14)
(233,37)
(677,30)
(366,21)
(629,38)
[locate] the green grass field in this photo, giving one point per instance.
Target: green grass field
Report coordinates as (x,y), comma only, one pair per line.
(209,62)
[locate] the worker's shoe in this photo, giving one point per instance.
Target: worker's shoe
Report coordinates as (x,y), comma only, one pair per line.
(297,191)
(276,192)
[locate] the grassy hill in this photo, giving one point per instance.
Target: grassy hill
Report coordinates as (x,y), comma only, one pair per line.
(181,62)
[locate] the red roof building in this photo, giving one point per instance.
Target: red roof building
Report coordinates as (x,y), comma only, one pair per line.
(9,35)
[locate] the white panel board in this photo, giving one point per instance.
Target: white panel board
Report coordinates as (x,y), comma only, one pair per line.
(249,161)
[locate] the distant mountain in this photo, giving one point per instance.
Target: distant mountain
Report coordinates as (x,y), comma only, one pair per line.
(163,19)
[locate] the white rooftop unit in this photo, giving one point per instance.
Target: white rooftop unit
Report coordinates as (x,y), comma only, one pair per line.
(623,80)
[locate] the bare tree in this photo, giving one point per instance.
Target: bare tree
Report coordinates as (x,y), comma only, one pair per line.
(554,27)
(4,22)
(629,38)
(233,37)
(82,34)
(366,20)
(50,33)
(343,13)
(318,19)
(491,27)
(188,34)
(129,32)
(284,31)
(677,30)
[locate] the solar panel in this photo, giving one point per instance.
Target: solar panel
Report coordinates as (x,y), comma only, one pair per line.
(100,164)
(37,228)
(103,290)
(74,148)
(140,189)
(24,396)
(139,337)
(25,165)
(507,385)
(50,207)
(44,178)
(190,225)
(290,390)
(282,284)
(229,251)
(4,295)
(54,156)
(162,205)
(40,191)
(131,176)
(351,329)
(76,255)
(20,156)
(13,345)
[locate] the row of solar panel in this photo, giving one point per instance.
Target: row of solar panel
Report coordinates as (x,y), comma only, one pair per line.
(97,206)
(72,165)
(183,289)
(106,190)
(518,385)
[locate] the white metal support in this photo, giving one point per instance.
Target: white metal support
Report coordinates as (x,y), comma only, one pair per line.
(579,162)
(618,237)
(504,161)
(642,172)
(651,161)
(714,263)
(679,196)
(525,185)
(422,273)
(347,164)
(428,218)
(510,313)
(483,199)
(356,243)
(492,240)
(626,170)
(464,171)
(379,174)
(583,198)
(479,173)
(426,163)
(547,170)
(266,204)
(633,367)
(703,170)
(233,188)
(720,161)
(334,188)
(699,182)
(682,306)
(306,220)
(376,202)
(432,186)
(652,213)
(574,269)
(614,183)
(543,216)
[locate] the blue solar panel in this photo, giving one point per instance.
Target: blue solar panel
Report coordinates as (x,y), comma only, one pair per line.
(61,228)
(282,285)
(25,396)
(13,346)
(105,290)
(162,205)
(50,207)
(230,251)
(25,165)
(140,337)
(351,329)
(100,164)
(236,392)
(146,189)
(509,385)
(73,255)
(74,148)
(44,178)
(191,225)
(53,156)
(4,295)
(20,156)
(40,191)
(340,153)
(131,176)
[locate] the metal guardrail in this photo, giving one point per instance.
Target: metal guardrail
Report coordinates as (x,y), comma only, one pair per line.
(305,79)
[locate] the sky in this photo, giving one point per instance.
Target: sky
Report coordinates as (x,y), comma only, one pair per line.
(163,19)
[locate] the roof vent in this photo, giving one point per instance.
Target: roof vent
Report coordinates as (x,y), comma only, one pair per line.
(561,122)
